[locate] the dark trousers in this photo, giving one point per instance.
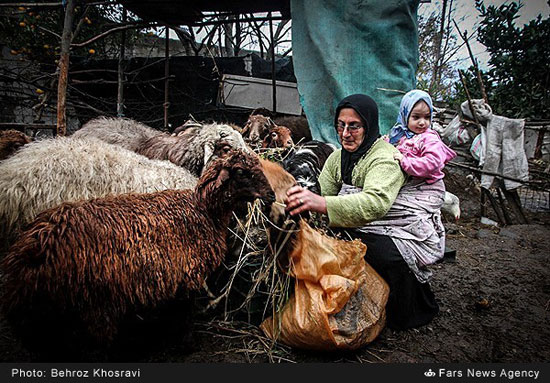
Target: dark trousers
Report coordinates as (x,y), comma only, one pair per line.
(410,303)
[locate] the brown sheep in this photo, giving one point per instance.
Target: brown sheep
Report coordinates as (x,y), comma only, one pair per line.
(278,137)
(298,125)
(256,128)
(280,181)
(84,266)
(10,141)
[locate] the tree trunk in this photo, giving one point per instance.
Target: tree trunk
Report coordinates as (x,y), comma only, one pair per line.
(120,92)
(167,79)
(66,38)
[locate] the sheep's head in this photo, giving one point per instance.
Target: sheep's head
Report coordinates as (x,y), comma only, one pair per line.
(257,127)
(235,179)
(278,137)
(10,141)
(226,139)
(187,124)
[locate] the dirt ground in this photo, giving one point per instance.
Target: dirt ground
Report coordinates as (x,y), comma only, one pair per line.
(494,307)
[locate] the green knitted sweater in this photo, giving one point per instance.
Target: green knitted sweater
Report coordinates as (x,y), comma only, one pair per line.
(377,173)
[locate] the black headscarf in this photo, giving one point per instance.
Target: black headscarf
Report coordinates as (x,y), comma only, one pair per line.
(368,111)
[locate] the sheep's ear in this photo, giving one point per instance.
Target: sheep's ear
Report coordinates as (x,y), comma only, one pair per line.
(222,177)
(208,152)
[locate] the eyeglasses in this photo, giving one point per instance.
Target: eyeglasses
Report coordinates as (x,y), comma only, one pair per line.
(352,128)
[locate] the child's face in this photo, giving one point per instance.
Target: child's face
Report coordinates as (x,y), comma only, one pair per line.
(419,118)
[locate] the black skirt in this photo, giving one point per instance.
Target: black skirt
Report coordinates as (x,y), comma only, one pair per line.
(410,303)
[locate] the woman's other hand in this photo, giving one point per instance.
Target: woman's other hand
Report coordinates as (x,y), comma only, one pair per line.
(398,156)
(300,199)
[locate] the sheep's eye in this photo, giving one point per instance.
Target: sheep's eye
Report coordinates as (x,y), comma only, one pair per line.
(226,148)
(239,172)
(274,135)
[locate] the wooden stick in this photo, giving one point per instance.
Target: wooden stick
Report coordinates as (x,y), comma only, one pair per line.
(487,172)
(474,62)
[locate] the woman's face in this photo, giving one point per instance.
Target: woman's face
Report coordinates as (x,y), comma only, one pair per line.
(350,129)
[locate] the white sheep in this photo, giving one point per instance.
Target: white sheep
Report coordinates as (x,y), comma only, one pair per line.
(119,131)
(46,173)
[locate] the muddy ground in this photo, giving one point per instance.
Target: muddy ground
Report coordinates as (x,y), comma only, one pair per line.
(494,307)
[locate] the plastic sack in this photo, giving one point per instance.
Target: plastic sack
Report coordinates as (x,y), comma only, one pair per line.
(476,149)
(454,134)
(339,300)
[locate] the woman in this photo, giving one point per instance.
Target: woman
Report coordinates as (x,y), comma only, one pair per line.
(359,185)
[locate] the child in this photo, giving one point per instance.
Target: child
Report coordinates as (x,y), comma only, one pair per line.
(422,154)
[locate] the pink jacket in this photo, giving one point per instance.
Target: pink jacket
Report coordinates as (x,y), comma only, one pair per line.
(425,155)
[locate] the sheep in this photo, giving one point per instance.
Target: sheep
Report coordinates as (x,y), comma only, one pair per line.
(193,123)
(191,148)
(90,264)
(298,125)
(46,173)
(194,147)
(306,162)
(280,181)
(119,131)
(278,137)
(186,124)
(256,128)
(10,141)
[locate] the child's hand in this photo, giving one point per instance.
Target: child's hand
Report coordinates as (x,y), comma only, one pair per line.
(386,137)
(398,156)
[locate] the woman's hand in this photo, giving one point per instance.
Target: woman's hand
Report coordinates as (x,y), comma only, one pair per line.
(398,156)
(300,199)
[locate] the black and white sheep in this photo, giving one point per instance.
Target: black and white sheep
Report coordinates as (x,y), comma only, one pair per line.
(45,173)
(88,264)
(305,163)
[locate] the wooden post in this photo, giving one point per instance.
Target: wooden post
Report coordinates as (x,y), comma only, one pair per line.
(120,92)
(515,203)
(166,77)
(540,143)
(273,76)
(463,81)
(63,78)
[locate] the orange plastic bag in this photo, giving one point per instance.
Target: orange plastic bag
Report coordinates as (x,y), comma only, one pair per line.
(339,300)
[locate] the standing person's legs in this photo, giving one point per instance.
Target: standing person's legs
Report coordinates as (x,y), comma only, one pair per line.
(410,303)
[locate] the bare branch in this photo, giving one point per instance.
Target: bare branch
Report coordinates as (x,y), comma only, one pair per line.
(139,25)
